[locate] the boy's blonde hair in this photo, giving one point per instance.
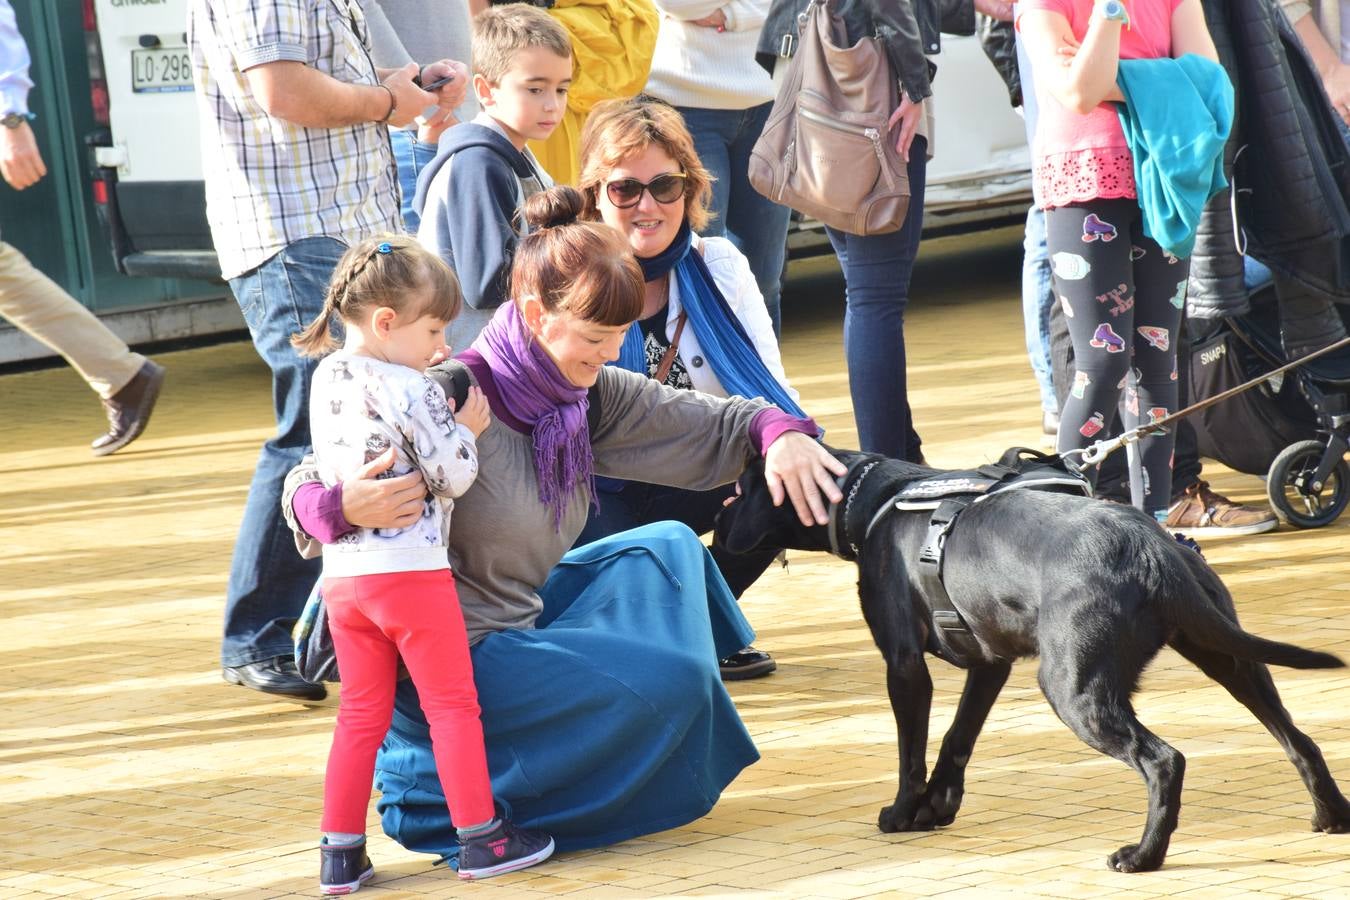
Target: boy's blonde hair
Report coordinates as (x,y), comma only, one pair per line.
(390,270)
(500,32)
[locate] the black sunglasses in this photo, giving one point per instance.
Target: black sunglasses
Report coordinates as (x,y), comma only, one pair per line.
(627,192)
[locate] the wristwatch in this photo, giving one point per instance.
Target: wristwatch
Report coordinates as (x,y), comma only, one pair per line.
(14,120)
(1113,11)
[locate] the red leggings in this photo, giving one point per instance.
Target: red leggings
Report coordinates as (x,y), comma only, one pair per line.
(375,619)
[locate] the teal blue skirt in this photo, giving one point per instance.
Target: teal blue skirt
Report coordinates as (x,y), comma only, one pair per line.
(606,721)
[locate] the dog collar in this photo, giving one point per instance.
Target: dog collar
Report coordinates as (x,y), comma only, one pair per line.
(849,484)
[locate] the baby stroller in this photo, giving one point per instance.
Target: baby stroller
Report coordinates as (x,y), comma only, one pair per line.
(1292,428)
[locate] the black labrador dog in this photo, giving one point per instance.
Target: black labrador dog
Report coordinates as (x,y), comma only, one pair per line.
(1094,588)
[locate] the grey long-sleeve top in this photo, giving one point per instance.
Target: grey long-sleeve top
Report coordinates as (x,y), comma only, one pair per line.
(502,541)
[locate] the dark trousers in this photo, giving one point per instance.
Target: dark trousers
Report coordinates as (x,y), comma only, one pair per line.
(877,268)
(642,504)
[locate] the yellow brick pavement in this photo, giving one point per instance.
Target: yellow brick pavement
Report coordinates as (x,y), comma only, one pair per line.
(130,770)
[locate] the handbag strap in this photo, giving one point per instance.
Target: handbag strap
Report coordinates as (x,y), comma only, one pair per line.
(668,358)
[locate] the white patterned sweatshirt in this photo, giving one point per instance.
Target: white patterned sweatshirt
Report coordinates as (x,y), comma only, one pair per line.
(359,407)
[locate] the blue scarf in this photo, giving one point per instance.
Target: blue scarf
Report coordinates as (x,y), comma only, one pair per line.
(726,346)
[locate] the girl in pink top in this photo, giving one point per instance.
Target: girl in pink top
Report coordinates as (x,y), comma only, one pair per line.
(1121,294)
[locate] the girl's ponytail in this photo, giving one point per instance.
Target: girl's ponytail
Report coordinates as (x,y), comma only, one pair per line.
(317,339)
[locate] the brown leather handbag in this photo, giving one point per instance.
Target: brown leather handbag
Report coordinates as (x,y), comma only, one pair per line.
(826,150)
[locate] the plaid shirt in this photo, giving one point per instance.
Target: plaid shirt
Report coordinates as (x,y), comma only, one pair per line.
(269,182)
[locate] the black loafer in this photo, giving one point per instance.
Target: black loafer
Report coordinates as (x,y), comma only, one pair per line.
(274,676)
(748,663)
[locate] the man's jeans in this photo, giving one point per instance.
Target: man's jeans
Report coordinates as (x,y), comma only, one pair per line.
(411,157)
(1038,295)
(723,139)
(876,278)
(269,582)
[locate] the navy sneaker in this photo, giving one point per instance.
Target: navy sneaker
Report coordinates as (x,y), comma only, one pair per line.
(343,869)
(505,848)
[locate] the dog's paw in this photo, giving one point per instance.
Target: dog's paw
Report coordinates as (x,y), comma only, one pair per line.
(911,817)
(1131,859)
(886,821)
(1331,821)
(943,802)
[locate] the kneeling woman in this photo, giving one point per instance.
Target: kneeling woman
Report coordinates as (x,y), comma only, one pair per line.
(603,712)
(703,326)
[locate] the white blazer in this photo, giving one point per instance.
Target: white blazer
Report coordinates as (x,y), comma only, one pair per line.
(731,272)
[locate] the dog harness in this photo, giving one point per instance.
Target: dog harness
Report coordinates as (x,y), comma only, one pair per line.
(947,494)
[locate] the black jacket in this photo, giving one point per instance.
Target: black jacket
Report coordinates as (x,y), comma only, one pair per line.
(999,42)
(1291,174)
(909,29)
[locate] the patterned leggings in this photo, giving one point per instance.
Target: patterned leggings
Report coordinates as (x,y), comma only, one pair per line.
(1122,298)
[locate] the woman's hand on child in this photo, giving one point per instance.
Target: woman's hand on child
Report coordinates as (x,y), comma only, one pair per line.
(475,415)
(372,502)
(907,114)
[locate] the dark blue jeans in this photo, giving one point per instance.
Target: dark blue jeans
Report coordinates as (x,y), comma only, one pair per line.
(269,582)
(876,277)
(643,504)
(753,222)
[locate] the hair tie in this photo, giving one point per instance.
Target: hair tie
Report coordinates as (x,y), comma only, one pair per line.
(384,247)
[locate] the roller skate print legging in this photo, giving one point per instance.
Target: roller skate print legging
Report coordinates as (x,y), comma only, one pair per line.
(1122,297)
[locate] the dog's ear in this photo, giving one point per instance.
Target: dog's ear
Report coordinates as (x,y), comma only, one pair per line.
(735,529)
(752,522)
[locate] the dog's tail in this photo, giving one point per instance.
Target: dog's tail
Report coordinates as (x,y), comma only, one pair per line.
(1200,616)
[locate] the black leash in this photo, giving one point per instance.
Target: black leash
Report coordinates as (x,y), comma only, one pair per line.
(1095,453)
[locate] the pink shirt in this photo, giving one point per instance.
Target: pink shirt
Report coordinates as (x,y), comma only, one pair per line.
(1085,157)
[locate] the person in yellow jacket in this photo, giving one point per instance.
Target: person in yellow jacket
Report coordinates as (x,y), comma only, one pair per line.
(612,45)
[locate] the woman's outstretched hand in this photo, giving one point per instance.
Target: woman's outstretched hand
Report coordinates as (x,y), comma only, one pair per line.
(803,470)
(907,114)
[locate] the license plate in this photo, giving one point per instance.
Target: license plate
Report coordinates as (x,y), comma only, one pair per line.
(161,70)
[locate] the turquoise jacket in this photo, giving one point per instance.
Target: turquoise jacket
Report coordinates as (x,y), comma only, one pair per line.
(1176,117)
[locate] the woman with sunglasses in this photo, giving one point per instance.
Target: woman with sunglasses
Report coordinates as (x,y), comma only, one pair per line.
(703,324)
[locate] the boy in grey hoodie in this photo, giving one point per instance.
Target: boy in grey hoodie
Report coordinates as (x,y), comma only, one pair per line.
(469,194)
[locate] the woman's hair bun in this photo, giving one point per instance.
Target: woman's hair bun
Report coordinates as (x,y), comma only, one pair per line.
(560,205)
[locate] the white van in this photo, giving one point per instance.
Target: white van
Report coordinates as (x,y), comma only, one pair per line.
(149,160)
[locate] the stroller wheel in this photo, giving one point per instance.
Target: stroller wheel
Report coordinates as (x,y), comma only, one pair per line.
(1289,486)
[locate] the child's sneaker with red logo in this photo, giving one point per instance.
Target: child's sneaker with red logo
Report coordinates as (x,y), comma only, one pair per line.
(502,849)
(343,869)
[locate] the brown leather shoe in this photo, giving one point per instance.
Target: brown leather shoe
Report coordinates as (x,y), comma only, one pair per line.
(129,409)
(1200,510)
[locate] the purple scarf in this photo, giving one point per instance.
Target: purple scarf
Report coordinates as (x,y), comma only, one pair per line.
(537,394)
